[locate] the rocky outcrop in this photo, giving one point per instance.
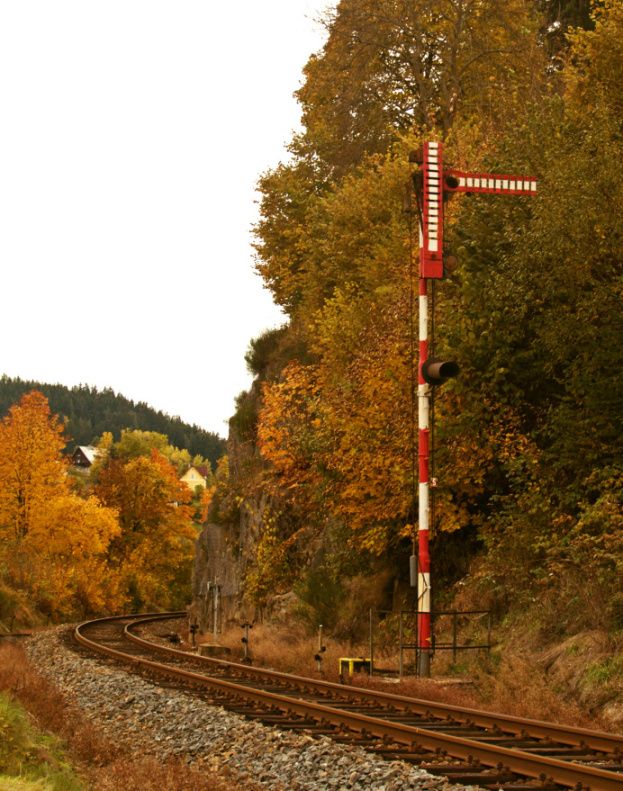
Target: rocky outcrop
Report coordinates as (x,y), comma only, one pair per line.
(216,580)
(223,553)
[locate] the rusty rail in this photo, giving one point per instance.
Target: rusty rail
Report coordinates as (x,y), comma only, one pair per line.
(563,773)
(515,726)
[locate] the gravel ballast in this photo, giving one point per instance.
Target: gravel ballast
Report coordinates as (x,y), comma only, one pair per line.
(164,723)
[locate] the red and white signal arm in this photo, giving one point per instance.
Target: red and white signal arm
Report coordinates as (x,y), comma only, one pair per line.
(438,182)
(431,242)
(494,184)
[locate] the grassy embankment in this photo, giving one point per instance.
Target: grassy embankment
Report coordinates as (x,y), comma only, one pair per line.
(48,745)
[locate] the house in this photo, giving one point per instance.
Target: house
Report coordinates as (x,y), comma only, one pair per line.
(196,476)
(84,456)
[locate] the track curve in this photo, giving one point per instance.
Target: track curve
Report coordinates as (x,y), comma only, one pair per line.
(467,745)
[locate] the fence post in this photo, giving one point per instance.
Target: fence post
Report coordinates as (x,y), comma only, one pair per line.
(246,657)
(216,602)
(454,617)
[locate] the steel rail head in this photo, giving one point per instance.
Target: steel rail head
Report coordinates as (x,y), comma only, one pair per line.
(561,772)
(516,726)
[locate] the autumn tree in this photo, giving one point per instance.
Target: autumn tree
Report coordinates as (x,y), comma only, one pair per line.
(388,70)
(336,249)
(536,324)
(31,466)
(153,551)
(135,442)
(392,66)
(528,439)
(52,542)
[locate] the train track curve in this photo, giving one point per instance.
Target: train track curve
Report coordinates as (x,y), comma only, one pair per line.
(492,751)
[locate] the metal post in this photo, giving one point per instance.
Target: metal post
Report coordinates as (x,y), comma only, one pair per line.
(435,184)
(216,603)
(245,643)
(413,571)
(400,637)
(371,644)
(454,625)
(320,650)
(431,265)
(423,588)
(206,608)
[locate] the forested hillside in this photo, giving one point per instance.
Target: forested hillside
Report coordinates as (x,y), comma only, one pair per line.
(91,412)
(529,437)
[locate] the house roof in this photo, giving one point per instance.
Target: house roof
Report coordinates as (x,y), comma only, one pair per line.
(90,452)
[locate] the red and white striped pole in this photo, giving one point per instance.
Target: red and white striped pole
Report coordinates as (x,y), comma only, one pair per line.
(431,265)
(423,577)
(435,182)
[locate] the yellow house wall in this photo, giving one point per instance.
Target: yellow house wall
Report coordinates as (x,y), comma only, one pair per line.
(192,478)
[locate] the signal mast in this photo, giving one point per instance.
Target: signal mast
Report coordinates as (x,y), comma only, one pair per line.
(433,185)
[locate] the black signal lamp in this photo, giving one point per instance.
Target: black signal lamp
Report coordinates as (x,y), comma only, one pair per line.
(436,372)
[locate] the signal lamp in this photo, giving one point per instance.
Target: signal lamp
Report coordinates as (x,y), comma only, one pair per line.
(436,372)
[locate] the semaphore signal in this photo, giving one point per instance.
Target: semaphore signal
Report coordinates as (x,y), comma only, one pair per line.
(489,183)
(431,242)
(433,185)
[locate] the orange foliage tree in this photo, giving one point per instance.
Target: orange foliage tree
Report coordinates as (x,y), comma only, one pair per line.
(52,542)
(527,444)
(337,433)
(153,551)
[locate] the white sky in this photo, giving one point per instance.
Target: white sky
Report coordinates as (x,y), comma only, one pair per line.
(132,134)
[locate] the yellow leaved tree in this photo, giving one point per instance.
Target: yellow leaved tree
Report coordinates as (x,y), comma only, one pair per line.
(53,543)
(153,552)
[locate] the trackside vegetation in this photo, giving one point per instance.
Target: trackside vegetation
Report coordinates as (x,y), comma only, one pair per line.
(47,744)
(528,512)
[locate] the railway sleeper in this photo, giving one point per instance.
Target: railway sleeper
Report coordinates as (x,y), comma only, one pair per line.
(522,785)
(485,779)
(499,779)
(407,756)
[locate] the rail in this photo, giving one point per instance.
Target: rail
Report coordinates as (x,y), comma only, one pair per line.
(411,738)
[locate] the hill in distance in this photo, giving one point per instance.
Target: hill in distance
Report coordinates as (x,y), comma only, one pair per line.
(91,412)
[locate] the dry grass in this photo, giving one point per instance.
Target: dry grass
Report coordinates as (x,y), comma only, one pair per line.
(290,650)
(517,689)
(148,774)
(514,685)
(103,765)
(520,688)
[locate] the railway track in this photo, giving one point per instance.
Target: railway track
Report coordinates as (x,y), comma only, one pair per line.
(492,751)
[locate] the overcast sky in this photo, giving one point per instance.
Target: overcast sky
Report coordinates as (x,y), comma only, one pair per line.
(132,135)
